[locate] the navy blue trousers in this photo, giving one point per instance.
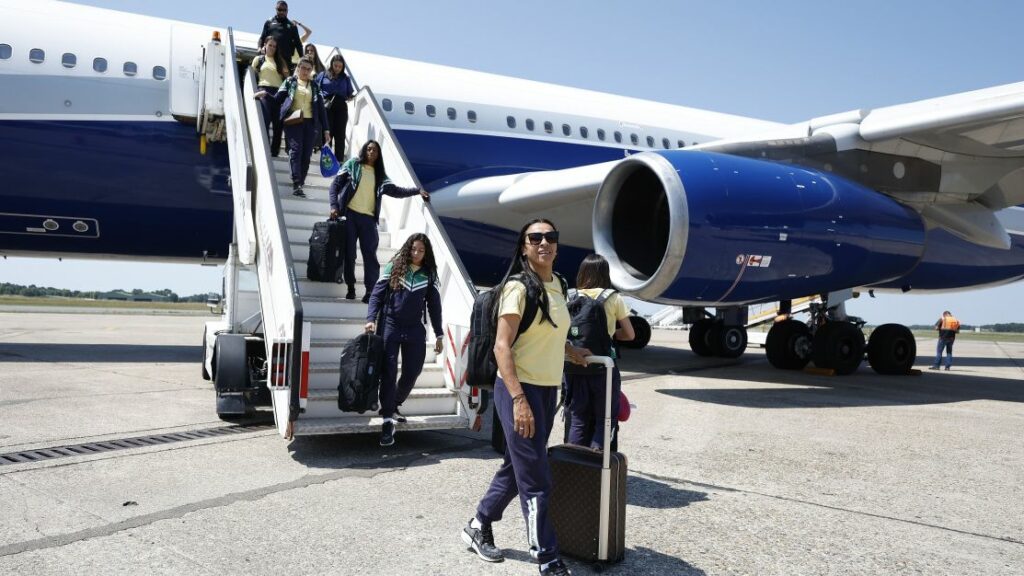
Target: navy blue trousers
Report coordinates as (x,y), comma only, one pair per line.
(585,408)
(411,343)
(364,228)
(525,470)
(946,345)
(272,118)
(300,149)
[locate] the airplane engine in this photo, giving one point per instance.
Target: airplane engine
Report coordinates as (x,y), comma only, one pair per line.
(712,229)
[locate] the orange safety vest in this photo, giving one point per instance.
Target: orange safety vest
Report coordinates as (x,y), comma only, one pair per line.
(950,323)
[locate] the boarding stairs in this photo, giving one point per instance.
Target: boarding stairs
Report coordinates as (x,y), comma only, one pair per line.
(305,323)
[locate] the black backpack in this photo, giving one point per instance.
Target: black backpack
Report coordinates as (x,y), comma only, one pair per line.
(482,368)
(361,368)
(362,362)
(589,329)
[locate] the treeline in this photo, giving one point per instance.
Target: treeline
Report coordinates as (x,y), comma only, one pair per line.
(1004,327)
(33,291)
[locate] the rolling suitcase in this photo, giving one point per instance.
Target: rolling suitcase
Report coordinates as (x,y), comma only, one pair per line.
(326,251)
(588,498)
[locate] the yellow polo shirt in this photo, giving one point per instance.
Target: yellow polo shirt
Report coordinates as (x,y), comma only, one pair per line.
(268,74)
(303,99)
(364,200)
(614,307)
(539,353)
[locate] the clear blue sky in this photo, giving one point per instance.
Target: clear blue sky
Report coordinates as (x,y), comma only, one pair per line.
(784,60)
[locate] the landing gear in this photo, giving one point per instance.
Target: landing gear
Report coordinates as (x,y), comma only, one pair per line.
(715,338)
(641,331)
(838,346)
(892,349)
(699,342)
(789,345)
(728,341)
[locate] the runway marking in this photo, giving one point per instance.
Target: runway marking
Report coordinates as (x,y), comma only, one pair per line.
(366,469)
(826,506)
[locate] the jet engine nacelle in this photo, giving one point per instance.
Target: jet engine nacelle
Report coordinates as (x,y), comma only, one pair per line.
(711,229)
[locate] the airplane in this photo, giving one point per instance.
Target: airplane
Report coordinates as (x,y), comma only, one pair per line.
(692,208)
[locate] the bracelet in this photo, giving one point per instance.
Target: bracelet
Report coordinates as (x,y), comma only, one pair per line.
(519,396)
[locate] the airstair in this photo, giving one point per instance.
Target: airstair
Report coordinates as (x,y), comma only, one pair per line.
(305,324)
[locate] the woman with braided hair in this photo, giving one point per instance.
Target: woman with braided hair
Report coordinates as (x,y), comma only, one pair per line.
(406,291)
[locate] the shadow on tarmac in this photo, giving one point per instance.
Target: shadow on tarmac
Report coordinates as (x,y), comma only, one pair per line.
(639,560)
(105,353)
(411,448)
(648,493)
(862,389)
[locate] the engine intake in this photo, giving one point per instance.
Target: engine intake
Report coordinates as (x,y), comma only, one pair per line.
(713,229)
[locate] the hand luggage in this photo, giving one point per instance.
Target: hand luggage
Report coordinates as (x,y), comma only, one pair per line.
(326,260)
(588,498)
(362,361)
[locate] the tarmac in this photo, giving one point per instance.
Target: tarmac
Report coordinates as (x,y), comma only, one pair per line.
(734,468)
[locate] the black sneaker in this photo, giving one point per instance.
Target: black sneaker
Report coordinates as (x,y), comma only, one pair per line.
(481,541)
(351,294)
(947,368)
(297,191)
(399,417)
(387,434)
(556,568)
(933,367)
(366,298)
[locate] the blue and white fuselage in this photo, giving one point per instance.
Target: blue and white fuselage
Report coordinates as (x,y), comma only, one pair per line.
(101,157)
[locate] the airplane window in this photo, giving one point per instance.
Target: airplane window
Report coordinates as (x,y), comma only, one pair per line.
(431,110)
(600,134)
(159,72)
(529,124)
(618,136)
(386,104)
(130,69)
(511,121)
(410,108)
(634,139)
(37,55)
(68,60)
(471,116)
(650,141)
(5,51)
(549,127)
(681,143)
(584,132)
(99,64)
(452,114)
(566,129)
(665,143)
(694,143)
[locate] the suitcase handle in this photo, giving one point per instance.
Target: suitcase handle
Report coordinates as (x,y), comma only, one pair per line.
(606,463)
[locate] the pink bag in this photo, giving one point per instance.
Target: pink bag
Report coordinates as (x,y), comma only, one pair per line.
(623,407)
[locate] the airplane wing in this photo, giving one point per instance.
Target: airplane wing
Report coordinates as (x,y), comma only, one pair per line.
(956,159)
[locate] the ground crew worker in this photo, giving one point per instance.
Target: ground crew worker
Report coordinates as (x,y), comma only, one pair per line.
(407,290)
(529,375)
(948,327)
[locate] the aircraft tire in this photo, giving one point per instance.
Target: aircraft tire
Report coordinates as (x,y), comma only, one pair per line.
(892,349)
(838,346)
(788,345)
(206,373)
(699,338)
(728,341)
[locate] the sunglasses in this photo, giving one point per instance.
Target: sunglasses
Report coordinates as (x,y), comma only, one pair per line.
(534,238)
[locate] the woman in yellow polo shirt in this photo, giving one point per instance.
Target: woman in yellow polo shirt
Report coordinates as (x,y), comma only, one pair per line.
(271,70)
(529,376)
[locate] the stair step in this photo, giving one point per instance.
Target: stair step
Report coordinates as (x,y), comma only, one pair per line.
(300,235)
(331,396)
(300,255)
(328,350)
(351,423)
(333,307)
(324,376)
(335,328)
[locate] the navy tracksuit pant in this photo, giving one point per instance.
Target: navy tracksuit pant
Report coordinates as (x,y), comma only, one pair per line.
(525,470)
(300,149)
(363,228)
(272,118)
(585,408)
(411,343)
